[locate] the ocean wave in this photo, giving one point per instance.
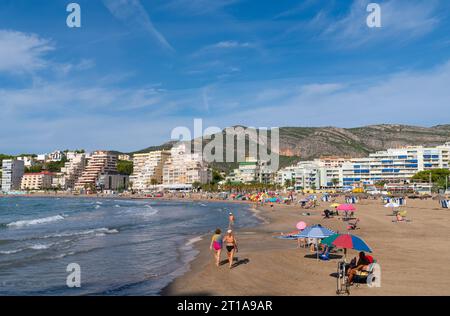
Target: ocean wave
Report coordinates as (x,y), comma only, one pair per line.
(10,252)
(40,246)
(32,247)
(37,221)
(93,231)
(193,241)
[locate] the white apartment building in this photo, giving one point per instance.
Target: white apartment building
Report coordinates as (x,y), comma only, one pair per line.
(307,175)
(248,171)
(27,160)
(55,156)
(100,162)
(185,168)
(285,174)
(395,165)
(12,172)
(36,181)
(72,170)
(148,166)
(125,157)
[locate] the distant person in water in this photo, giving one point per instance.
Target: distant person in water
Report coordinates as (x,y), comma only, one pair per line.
(230,220)
(231,245)
(216,245)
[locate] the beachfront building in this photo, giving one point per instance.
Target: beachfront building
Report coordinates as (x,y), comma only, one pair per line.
(12,172)
(184,168)
(248,171)
(395,165)
(148,167)
(318,173)
(100,162)
(113,182)
(307,176)
(37,181)
(71,172)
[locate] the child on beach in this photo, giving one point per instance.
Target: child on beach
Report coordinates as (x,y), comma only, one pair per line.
(216,244)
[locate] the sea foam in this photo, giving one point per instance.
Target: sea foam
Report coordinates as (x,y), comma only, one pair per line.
(36,221)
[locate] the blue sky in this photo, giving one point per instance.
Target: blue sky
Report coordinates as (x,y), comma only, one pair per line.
(137,69)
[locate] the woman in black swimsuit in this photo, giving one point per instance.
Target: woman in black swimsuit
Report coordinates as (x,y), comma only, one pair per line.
(231,245)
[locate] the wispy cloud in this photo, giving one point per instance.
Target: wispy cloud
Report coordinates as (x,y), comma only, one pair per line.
(197,7)
(231,44)
(21,52)
(132,13)
(402,20)
(296,10)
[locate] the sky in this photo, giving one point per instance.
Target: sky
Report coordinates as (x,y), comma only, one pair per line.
(137,69)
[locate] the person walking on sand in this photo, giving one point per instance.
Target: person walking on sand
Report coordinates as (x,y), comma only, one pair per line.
(216,245)
(230,220)
(231,245)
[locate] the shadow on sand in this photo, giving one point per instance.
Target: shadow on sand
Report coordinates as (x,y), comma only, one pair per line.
(331,256)
(236,261)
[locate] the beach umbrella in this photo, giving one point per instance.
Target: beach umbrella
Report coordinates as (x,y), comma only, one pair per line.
(316,232)
(301,225)
(347,241)
(346,207)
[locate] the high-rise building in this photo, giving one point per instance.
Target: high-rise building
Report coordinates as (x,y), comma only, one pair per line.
(100,163)
(184,167)
(12,172)
(148,167)
(72,170)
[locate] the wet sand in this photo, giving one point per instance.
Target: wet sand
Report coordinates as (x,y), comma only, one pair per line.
(413,256)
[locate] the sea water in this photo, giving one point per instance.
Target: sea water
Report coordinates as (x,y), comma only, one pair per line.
(123,247)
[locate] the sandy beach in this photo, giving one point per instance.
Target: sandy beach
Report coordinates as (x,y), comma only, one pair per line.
(413,256)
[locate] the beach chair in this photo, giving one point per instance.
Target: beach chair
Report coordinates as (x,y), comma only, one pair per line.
(363,276)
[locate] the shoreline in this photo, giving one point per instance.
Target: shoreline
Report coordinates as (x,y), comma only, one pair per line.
(199,246)
(195,242)
(269,266)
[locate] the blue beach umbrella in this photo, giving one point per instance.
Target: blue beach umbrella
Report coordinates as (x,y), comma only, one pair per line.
(316,232)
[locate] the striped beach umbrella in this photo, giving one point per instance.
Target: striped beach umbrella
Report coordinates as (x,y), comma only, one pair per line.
(347,241)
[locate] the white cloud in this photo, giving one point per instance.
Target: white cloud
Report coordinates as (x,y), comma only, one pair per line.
(402,21)
(21,52)
(134,14)
(231,44)
(197,7)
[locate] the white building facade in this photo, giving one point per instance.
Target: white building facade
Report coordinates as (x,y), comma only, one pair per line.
(12,172)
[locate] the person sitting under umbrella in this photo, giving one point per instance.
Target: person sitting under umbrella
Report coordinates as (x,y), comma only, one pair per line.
(362,264)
